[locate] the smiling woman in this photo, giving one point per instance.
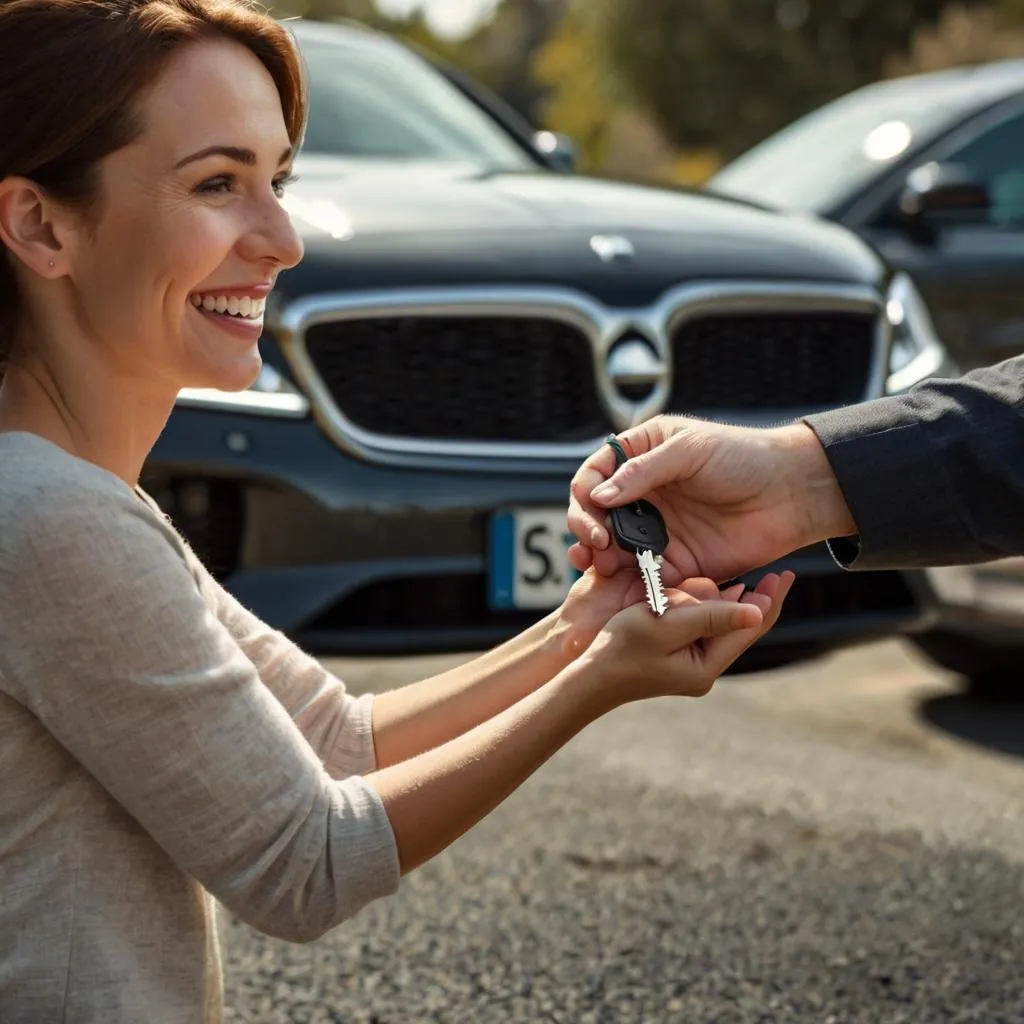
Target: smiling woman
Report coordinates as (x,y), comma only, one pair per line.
(160,747)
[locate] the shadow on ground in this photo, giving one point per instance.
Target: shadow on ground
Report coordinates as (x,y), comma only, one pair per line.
(985,722)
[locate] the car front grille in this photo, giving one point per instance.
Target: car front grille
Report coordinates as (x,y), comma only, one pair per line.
(523,379)
(771,361)
(526,379)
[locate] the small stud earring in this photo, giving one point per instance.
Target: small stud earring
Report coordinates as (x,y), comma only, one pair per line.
(52,264)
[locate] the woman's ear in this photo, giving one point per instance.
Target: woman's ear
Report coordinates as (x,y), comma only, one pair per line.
(31,226)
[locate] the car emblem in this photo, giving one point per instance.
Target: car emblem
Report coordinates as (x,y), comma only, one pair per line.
(612,248)
(635,369)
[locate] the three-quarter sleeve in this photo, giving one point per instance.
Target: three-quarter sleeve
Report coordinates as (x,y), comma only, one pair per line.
(123,660)
(336,724)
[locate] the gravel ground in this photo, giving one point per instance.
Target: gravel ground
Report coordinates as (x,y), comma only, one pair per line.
(808,846)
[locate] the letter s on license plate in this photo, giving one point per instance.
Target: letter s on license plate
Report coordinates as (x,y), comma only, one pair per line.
(528,566)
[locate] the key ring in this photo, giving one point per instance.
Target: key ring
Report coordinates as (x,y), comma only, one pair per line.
(621,458)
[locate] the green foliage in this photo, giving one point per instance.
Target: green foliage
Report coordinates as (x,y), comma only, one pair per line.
(729,72)
(327,10)
(649,85)
(1010,12)
(582,93)
(504,50)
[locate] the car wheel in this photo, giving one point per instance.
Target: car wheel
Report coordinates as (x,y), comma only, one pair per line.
(992,671)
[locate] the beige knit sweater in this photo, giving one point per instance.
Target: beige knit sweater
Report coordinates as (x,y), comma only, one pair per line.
(160,748)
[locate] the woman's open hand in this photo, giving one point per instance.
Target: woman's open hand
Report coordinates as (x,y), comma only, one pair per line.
(594,599)
(637,655)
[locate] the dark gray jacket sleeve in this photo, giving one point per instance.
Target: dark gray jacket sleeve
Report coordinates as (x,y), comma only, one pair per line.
(935,476)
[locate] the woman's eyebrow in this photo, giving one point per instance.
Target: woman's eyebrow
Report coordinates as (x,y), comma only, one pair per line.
(237,153)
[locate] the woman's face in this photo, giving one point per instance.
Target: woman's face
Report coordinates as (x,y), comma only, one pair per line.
(173,269)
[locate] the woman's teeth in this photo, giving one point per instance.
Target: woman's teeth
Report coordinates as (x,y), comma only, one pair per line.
(249,309)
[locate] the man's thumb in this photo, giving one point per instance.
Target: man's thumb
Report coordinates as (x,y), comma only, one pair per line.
(637,477)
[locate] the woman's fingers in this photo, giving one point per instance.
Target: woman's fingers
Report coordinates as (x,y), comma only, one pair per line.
(707,618)
(775,588)
(768,597)
(580,557)
(722,651)
(699,587)
(687,621)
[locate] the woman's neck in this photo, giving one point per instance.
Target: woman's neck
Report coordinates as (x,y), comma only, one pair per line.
(87,411)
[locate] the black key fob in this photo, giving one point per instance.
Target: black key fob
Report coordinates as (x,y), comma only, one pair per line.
(638,527)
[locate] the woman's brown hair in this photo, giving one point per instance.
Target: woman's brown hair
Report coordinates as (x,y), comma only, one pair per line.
(71,76)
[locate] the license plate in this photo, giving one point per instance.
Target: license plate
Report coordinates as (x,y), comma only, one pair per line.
(528,563)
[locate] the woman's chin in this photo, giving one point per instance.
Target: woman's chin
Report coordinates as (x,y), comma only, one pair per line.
(239,376)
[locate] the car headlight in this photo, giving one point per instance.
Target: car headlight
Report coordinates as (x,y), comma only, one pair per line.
(915,352)
(271,394)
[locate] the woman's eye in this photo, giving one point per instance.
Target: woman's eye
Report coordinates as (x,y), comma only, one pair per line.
(282,184)
(216,186)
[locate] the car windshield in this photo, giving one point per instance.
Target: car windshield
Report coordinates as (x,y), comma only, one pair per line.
(382,102)
(826,156)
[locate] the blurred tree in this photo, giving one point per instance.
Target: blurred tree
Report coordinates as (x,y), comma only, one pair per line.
(328,10)
(503,50)
(581,92)
(415,31)
(586,99)
(727,73)
(1009,12)
(963,36)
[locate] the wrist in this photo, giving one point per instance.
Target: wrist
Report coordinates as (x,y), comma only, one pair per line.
(815,498)
(564,638)
(593,685)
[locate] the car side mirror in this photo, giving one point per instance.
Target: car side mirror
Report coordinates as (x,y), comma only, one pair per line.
(557,150)
(936,194)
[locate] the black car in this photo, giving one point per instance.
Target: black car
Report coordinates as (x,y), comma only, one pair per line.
(930,170)
(470,322)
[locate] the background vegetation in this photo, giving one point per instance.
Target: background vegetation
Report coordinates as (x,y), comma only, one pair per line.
(668,89)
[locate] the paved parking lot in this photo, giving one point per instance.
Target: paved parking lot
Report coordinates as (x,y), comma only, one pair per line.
(842,842)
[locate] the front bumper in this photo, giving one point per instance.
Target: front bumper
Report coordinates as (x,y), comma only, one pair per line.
(349,557)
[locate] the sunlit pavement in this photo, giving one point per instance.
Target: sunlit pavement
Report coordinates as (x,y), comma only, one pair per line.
(841,842)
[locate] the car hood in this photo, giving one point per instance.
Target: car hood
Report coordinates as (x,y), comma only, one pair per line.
(379,225)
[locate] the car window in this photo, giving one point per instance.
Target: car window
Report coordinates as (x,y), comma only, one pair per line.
(384,102)
(996,159)
(827,156)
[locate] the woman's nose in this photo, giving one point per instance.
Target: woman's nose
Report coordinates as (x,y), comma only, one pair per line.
(274,238)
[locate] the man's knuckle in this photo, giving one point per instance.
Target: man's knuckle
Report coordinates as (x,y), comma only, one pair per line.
(633,470)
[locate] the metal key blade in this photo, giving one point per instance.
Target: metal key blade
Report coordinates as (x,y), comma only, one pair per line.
(650,569)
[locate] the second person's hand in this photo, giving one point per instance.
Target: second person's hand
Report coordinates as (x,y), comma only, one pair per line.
(733,498)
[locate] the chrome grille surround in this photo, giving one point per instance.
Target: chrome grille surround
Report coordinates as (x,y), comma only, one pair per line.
(602,326)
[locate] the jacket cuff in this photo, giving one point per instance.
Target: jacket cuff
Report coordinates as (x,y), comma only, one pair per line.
(897,490)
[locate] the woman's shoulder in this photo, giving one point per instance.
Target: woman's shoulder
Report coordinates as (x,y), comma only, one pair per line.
(50,497)
(36,473)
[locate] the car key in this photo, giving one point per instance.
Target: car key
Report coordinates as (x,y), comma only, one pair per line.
(639,528)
